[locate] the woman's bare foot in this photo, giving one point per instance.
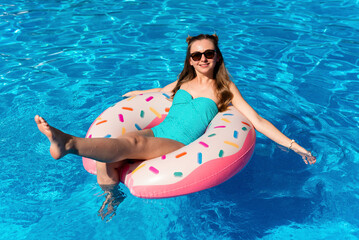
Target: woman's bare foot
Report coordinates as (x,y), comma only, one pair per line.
(60,142)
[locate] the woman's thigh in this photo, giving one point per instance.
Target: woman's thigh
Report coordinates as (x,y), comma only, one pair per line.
(145,133)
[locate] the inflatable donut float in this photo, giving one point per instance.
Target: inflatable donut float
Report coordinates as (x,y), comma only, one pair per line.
(222,151)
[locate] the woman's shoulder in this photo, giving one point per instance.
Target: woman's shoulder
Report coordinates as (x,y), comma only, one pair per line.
(233,87)
(169,87)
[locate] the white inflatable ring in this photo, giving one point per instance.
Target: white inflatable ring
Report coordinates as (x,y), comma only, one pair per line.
(222,151)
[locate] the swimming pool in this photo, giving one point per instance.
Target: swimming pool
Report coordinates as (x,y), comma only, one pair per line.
(295,62)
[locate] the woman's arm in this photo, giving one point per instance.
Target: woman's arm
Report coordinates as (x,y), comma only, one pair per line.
(265,127)
(167,88)
(137,92)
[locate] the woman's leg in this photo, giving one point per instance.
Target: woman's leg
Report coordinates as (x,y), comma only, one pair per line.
(109,154)
(108,150)
(107,173)
(108,178)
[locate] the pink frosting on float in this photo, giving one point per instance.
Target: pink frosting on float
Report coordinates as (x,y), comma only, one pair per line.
(200,178)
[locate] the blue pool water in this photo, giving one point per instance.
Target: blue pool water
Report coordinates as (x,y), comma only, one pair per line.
(295,62)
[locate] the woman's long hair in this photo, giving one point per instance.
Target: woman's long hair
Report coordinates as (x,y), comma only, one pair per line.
(220,73)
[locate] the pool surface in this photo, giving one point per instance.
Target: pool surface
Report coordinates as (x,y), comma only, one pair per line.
(295,62)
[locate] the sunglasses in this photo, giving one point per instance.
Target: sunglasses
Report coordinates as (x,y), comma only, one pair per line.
(209,54)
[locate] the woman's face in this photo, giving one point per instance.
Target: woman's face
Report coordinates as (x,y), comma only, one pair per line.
(204,65)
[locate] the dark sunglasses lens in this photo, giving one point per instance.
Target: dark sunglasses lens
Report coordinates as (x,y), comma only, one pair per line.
(209,54)
(196,56)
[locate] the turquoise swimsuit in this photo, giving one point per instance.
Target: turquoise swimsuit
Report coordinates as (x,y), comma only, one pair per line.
(187,119)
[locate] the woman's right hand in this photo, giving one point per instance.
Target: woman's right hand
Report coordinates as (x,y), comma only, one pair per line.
(132,93)
(137,92)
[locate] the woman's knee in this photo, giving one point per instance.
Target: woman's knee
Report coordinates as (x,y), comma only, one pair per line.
(101,166)
(107,173)
(107,168)
(138,141)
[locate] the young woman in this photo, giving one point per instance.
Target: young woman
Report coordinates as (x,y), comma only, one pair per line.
(204,76)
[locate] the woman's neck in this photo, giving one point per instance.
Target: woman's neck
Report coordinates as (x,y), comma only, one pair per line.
(201,79)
